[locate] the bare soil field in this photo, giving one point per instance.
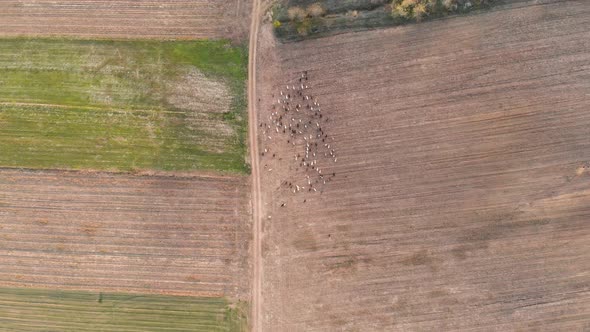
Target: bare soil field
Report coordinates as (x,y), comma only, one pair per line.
(188,19)
(121,233)
(461,198)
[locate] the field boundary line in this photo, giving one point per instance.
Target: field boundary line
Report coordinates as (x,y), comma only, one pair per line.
(202,174)
(94,108)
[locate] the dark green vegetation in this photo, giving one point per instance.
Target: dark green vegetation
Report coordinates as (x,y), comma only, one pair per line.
(299,19)
(51,310)
(122,105)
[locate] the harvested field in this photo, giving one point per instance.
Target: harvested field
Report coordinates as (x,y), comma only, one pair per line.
(120,233)
(461,195)
(126,19)
(51,310)
(122,105)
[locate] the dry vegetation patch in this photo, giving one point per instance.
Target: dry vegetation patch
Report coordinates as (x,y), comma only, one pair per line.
(195,92)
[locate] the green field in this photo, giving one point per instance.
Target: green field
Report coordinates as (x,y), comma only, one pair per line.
(122,105)
(23,309)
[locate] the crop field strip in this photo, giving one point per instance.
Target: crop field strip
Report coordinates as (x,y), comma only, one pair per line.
(35,309)
(142,234)
(122,105)
(460,200)
(119,106)
(123,19)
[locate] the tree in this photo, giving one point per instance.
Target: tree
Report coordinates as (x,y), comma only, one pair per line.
(419,11)
(415,9)
(403,8)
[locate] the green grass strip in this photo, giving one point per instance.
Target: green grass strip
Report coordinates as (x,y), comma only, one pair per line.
(113,105)
(24,309)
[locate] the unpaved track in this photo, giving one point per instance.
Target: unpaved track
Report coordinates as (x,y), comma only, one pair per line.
(125,19)
(256,202)
(123,233)
(461,196)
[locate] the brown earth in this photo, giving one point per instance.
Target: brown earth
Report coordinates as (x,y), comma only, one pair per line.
(461,199)
(115,232)
(185,19)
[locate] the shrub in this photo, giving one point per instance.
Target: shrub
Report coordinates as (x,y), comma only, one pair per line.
(304,27)
(296,14)
(315,10)
(449,4)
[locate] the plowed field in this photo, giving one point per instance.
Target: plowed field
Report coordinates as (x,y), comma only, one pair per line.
(126,19)
(141,234)
(461,197)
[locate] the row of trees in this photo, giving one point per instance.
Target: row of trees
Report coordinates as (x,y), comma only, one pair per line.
(306,20)
(418,9)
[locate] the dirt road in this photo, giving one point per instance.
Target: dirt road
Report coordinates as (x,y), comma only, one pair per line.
(256,203)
